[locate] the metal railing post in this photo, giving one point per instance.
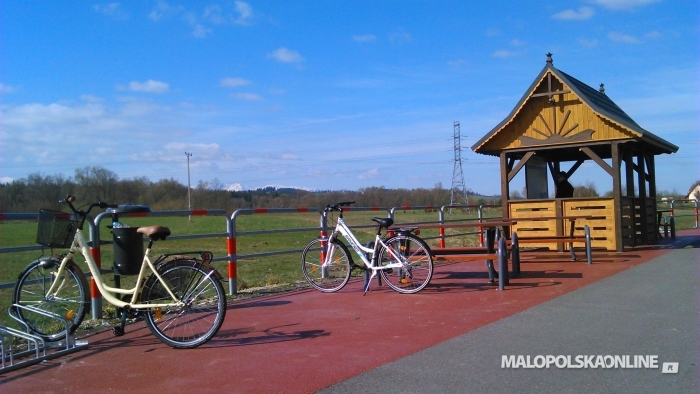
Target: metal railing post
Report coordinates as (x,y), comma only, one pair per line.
(441,230)
(96,253)
(231,250)
(480,215)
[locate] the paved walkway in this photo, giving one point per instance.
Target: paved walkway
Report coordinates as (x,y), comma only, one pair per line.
(651,309)
(448,338)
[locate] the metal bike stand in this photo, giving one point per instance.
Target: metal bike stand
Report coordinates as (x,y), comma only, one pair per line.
(35,345)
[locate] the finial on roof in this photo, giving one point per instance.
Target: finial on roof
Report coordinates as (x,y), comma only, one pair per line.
(602,88)
(549,58)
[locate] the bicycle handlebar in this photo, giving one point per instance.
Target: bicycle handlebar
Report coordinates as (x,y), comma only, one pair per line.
(338,206)
(83,214)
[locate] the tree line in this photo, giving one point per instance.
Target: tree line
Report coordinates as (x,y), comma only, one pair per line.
(91,184)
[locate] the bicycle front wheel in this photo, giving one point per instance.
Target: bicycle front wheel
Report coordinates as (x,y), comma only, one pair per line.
(202,294)
(331,276)
(68,300)
(416,259)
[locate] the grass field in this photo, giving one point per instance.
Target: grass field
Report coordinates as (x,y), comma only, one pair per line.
(252,272)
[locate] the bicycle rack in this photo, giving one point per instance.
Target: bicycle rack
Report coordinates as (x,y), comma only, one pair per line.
(35,345)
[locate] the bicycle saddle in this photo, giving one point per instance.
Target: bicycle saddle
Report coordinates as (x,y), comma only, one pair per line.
(384,222)
(154,232)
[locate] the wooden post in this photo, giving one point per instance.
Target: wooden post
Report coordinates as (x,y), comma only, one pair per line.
(652,193)
(504,185)
(642,184)
(627,156)
(617,194)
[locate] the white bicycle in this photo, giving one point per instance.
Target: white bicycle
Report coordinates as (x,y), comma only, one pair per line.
(404,261)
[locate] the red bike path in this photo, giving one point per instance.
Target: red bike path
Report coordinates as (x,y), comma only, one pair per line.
(303,341)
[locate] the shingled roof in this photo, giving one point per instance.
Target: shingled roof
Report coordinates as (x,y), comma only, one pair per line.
(595,99)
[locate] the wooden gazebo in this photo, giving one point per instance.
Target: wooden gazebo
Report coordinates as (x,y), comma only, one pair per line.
(559,120)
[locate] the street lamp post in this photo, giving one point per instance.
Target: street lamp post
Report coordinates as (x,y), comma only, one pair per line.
(189,189)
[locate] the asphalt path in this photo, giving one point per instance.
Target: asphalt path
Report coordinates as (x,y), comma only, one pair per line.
(652,309)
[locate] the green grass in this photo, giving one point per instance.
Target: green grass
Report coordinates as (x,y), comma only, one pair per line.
(252,272)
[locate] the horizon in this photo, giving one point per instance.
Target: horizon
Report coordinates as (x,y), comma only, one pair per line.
(326,95)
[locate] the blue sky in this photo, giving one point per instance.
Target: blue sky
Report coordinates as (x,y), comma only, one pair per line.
(326,94)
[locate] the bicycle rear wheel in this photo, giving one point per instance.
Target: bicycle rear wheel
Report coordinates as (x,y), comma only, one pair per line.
(69,299)
(331,277)
(417,261)
(204,304)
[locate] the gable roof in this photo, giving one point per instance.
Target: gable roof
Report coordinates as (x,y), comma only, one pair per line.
(596,100)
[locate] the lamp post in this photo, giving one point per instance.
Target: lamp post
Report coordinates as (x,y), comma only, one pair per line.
(189,189)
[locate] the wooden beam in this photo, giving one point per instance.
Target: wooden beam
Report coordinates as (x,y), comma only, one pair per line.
(564,121)
(574,167)
(598,160)
(520,165)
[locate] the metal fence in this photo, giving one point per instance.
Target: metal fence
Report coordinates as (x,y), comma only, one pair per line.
(232,234)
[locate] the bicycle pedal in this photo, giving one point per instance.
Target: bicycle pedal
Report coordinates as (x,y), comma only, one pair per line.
(118,331)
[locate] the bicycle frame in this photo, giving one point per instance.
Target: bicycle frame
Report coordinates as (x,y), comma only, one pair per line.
(344,230)
(80,245)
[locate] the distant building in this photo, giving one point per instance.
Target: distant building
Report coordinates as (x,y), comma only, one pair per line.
(695,193)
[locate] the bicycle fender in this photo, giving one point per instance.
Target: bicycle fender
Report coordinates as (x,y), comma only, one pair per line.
(206,265)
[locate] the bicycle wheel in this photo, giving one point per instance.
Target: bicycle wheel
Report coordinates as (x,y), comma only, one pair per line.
(417,263)
(328,278)
(204,301)
(69,299)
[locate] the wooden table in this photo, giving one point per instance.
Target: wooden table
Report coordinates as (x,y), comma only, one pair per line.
(490,226)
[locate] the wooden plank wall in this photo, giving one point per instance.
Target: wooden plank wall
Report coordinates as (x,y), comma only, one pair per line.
(602,223)
(529,209)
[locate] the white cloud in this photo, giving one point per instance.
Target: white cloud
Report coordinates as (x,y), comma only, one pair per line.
(458,63)
(236,187)
(245,12)
(289,156)
(285,55)
(248,96)
(653,34)
(492,32)
(623,4)
(91,99)
(111,9)
(619,37)
(149,86)
(364,38)
(400,37)
(213,14)
(200,31)
(233,82)
(373,173)
(6,179)
(587,43)
(581,14)
(504,53)
(164,10)
(138,108)
(201,150)
(6,88)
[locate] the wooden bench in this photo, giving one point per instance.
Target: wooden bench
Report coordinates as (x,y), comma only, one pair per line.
(483,253)
(571,239)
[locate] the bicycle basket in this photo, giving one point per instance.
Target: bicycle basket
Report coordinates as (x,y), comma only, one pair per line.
(56,229)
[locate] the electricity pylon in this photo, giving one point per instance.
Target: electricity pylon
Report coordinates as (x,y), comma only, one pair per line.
(458,192)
